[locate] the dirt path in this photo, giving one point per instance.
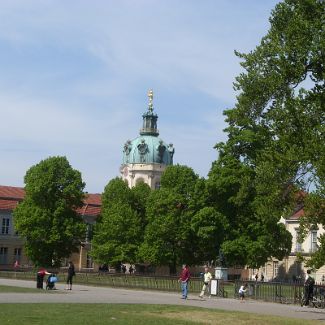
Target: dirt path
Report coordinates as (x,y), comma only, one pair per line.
(89,294)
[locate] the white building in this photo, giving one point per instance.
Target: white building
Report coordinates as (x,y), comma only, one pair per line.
(290,268)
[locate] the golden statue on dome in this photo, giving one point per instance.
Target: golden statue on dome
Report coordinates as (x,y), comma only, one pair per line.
(150,95)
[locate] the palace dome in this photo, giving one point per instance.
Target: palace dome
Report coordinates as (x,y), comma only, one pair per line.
(148,148)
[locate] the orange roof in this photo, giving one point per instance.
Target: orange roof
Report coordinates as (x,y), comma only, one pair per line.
(95,199)
(12,192)
(8,204)
(10,196)
(297,214)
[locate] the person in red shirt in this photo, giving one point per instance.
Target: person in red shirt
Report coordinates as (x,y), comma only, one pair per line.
(184,280)
(40,278)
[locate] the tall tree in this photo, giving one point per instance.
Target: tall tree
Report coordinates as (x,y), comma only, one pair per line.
(120,229)
(181,229)
(166,236)
(276,128)
(48,217)
(251,237)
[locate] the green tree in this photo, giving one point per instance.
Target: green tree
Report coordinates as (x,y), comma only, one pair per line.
(251,236)
(276,128)
(120,229)
(180,226)
(47,217)
(166,235)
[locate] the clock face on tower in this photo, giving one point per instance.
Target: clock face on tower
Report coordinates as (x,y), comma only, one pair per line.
(125,171)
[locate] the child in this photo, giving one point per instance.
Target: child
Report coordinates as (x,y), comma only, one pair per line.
(242,291)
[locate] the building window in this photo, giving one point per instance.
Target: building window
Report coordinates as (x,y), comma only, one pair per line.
(3,255)
(17,255)
(139,180)
(89,233)
(275,269)
(5,226)
(313,236)
(157,185)
(298,243)
(90,263)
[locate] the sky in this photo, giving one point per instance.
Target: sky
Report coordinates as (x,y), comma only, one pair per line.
(74,77)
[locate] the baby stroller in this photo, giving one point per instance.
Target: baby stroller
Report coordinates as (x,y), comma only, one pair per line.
(50,282)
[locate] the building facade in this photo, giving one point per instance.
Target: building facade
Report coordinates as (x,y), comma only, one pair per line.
(291,268)
(12,245)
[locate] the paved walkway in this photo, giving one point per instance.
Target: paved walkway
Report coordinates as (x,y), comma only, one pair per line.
(88,294)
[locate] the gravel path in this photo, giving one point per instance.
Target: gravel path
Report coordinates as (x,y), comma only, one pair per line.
(89,294)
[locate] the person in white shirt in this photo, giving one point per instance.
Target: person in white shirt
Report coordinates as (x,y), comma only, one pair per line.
(206,281)
(242,291)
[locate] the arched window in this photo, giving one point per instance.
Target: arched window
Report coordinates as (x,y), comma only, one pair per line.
(139,180)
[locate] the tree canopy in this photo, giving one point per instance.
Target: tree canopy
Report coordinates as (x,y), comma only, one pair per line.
(47,217)
(120,229)
(276,130)
(181,229)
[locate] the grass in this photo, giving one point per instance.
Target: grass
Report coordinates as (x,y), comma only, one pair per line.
(98,314)
(6,289)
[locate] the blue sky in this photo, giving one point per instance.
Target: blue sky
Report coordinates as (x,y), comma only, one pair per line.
(74,77)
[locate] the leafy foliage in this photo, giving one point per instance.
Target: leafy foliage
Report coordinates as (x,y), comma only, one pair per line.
(48,217)
(276,131)
(181,229)
(120,230)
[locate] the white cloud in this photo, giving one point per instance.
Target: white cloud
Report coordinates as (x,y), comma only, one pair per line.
(75,74)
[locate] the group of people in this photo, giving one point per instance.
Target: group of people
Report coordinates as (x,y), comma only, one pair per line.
(185,278)
(207,277)
(256,277)
(131,269)
(52,279)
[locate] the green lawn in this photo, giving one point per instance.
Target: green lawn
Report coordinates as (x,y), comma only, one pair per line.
(4,288)
(98,314)
(9,288)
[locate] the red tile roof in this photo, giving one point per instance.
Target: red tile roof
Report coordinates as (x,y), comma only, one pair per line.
(8,204)
(297,214)
(95,199)
(10,196)
(12,192)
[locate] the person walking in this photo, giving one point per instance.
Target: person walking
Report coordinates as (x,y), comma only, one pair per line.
(184,280)
(71,274)
(206,281)
(242,291)
(308,288)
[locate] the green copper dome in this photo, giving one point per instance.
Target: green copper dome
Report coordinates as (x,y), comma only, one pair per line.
(148,148)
